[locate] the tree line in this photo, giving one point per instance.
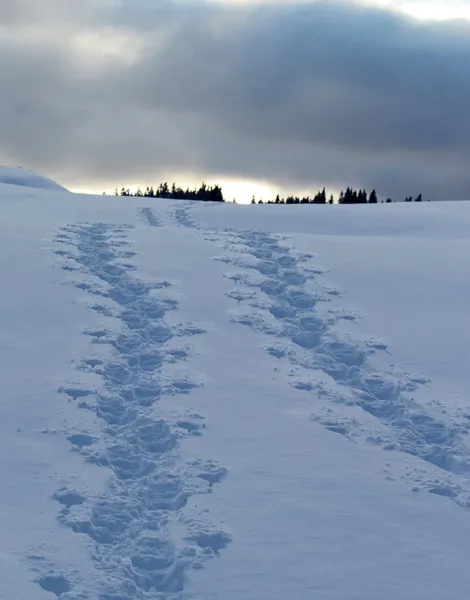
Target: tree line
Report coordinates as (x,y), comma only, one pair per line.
(214,193)
(203,193)
(350,196)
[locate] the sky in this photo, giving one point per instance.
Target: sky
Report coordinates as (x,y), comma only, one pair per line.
(266,96)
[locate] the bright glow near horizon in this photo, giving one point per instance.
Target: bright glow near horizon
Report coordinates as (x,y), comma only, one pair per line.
(243,191)
(240,189)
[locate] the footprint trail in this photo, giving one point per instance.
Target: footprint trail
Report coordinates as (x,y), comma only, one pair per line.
(131,525)
(280,295)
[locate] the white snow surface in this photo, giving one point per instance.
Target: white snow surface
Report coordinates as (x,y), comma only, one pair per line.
(26,178)
(229,402)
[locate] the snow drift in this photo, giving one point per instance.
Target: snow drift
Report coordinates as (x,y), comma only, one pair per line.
(27,178)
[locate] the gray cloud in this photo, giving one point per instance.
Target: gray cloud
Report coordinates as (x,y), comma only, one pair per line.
(325,93)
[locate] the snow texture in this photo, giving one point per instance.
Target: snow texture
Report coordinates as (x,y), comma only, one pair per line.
(204,401)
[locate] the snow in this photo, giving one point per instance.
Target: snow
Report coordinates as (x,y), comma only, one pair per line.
(27,178)
(208,401)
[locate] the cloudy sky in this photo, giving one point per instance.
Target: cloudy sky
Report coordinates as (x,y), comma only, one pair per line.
(261,96)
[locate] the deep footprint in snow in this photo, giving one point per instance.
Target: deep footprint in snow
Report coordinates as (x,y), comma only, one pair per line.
(80,440)
(57,584)
(69,497)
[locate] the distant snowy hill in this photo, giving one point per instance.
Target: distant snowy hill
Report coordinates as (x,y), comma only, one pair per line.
(223,402)
(26,178)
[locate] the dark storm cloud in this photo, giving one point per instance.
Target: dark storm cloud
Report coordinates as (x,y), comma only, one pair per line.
(327,93)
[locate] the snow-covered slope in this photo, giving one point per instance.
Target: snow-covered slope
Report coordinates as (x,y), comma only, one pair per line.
(26,178)
(249,403)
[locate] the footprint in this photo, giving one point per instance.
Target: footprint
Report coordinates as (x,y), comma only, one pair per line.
(56,584)
(80,439)
(69,498)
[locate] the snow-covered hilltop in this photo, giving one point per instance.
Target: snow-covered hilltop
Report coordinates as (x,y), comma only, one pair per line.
(228,402)
(27,178)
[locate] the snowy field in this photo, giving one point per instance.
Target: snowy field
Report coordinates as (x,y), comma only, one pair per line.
(204,402)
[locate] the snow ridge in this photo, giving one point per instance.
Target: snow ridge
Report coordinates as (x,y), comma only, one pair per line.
(131,525)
